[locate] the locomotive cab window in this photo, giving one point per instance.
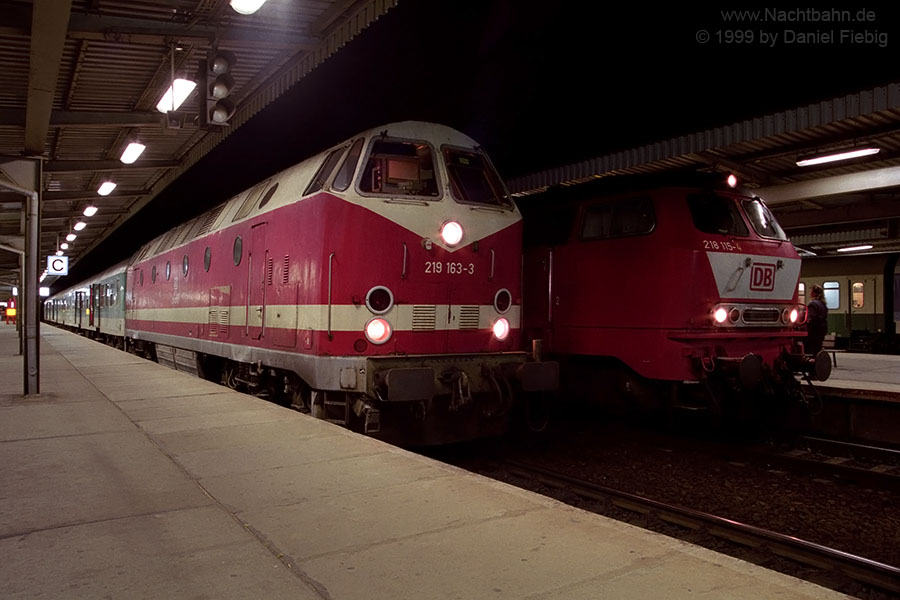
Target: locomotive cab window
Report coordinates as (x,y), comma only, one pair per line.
(345,174)
(622,218)
(712,213)
(399,168)
(473,179)
(762,220)
(324,172)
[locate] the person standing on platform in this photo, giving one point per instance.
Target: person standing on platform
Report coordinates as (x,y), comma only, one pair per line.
(816,320)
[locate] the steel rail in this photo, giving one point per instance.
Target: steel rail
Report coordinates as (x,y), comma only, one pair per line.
(860,569)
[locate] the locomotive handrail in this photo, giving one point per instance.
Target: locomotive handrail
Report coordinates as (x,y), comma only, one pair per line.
(405,252)
(493,256)
(330,263)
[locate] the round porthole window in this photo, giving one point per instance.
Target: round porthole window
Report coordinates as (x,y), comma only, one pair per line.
(238,250)
(207,259)
(184,265)
(153,274)
(168,270)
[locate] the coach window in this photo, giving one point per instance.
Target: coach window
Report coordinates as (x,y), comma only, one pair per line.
(238,250)
(324,171)
(801,293)
(345,174)
(762,220)
(207,259)
(858,294)
(184,265)
(832,294)
(473,179)
(399,168)
(712,213)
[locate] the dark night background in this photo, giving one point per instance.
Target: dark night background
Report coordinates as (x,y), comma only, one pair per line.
(538,84)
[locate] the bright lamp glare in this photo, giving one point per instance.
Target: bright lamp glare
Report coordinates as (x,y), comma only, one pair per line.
(90,211)
(732,181)
(501,329)
(246,7)
(132,152)
(183,89)
(106,188)
(79,225)
(818,160)
(720,315)
(64,246)
(378,331)
(795,314)
(71,237)
(451,233)
(59,252)
(44,291)
(855,248)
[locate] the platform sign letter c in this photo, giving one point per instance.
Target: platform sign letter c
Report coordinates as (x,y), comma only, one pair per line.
(57,265)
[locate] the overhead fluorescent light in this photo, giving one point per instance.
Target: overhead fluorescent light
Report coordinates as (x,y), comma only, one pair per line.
(246,7)
(71,237)
(834,156)
(79,225)
(105,188)
(90,210)
(132,152)
(855,248)
(64,246)
(183,89)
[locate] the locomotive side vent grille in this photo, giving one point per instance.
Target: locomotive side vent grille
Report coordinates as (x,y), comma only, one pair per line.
(761,315)
(468,317)
(285,273)
(424,317)
(213,322)
(269,268)
(209,219)
(224,320)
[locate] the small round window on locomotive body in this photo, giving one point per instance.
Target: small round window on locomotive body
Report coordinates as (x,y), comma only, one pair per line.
(153,274)
(168,270)
(379,300)
(184,265)
(238,250)
(207,259)
(502,300)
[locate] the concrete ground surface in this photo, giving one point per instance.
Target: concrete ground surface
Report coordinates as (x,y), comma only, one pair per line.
(124,479)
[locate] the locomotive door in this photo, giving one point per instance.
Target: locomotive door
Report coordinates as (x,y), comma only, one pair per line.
(258,275)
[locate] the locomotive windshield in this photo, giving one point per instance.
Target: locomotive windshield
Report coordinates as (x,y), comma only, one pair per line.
(399,168)
(762,220)
(473,179)
(716,214)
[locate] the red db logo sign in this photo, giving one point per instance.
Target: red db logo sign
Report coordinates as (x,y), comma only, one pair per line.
(762,277)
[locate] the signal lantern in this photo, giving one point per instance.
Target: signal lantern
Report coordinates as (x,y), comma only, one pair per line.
(216,85)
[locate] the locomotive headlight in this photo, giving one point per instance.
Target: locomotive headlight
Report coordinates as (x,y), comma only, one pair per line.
(451,233)
(378,330)
(795,315)
(501,329)
(720,315)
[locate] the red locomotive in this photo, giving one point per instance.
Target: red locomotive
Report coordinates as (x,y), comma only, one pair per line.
(686,290)
(376,285)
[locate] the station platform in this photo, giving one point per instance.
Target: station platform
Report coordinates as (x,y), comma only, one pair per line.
(865,373)
(124,479)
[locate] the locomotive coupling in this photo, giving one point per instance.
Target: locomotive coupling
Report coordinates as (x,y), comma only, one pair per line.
(747,369)
(818,366)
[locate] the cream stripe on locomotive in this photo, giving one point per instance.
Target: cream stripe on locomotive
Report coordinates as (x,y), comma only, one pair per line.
(421,317)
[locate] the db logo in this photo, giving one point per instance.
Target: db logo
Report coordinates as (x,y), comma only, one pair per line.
(762,277)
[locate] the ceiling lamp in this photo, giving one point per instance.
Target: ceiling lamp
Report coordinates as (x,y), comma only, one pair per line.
(90,210)
(836,155)
(246,7)
(170,100)
(132,152)
(64,246)
(71,237)
(79,226)
(855,248)
(105,188)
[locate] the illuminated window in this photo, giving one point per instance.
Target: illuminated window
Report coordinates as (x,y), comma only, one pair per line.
(801,293)
(399,168)
(858,294)
(832,294)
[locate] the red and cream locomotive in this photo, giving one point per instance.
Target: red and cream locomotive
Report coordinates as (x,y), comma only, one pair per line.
(376,285)
(683,292)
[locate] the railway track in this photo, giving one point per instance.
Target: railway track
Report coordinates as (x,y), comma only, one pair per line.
(869,573)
